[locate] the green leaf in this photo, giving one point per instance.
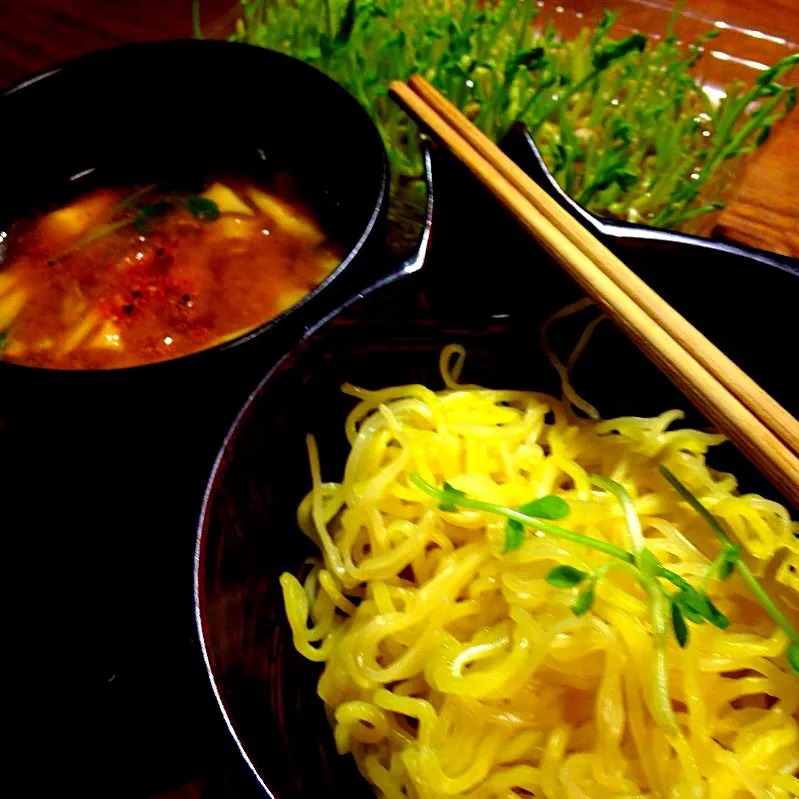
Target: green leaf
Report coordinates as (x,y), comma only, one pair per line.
(604,25)
(621,130)
(626,178)
(716,617)
(150,211)
(370,11)
(514,535)
(565,577)
(726,569)
(688,611)
(450,498)
(3,341)
(648,562)
(153,210)
(453,29)
(792,653)
(604,57)
(548,507)
(727,566)
(432,33)
(790,102)
(691,598)
(679,625)
(325,45)
(780,68)
(585,600)
(708,517)
(673,578)
(695,602)
(346,27)
(560,157)
(771,90)
(529,59)
(204,209)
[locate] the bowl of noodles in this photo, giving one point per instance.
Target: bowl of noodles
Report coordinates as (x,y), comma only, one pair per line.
(465,541)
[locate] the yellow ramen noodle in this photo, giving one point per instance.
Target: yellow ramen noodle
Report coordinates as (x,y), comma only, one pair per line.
(453,669)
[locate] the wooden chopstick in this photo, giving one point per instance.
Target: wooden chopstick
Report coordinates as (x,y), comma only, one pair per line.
(763,405)
(761,428)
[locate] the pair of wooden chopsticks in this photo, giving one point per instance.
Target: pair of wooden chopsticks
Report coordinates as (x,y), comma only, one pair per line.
(766,433)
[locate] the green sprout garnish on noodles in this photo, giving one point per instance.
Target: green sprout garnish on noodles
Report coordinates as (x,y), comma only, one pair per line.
(668,608)
(549,507)
(731,561)
(450,499)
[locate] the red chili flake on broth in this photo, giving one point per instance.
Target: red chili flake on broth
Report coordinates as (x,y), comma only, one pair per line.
(107,308)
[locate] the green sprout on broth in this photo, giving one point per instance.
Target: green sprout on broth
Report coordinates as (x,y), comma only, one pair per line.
(140,215)
(624,126)
(672,608)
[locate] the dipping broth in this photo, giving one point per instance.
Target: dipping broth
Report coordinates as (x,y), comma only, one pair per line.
(127,276)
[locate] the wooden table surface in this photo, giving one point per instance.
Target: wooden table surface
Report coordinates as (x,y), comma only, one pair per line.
(34,34)
(764,209)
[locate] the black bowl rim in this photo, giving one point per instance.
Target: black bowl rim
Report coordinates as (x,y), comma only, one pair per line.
(290,62)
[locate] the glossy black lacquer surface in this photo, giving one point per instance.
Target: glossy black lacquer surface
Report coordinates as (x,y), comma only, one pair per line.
(484,285)
(102,473)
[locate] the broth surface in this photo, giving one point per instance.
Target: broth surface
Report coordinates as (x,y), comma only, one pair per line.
(126,276)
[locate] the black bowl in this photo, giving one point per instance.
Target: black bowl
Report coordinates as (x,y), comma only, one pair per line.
(165,110)
(103,471)
(483,284)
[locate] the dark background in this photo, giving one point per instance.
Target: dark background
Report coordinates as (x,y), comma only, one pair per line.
(104,690)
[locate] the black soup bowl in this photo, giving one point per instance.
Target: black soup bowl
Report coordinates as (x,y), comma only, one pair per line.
(483,284)
(169,110)
(102,471)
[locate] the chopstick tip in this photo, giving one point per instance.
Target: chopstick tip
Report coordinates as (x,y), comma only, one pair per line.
(397,87)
